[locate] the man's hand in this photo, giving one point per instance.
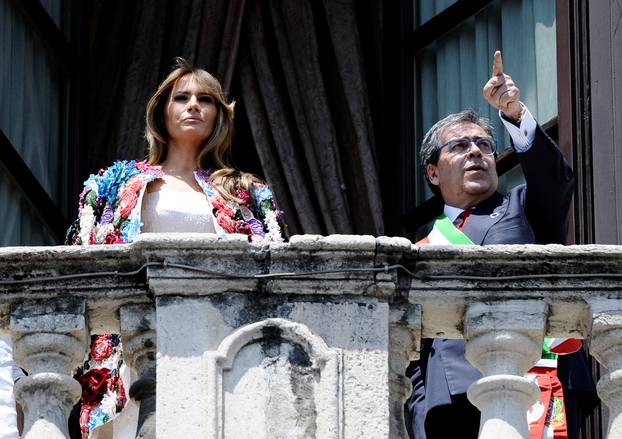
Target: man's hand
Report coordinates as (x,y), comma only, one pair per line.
(501,92)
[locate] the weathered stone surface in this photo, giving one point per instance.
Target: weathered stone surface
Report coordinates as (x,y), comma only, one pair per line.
(47,399)
(138,332)
(356,330)
(49,338)
(404,346)
(606,347)
(208,290)
(504,340)
(283,374)
(332,242)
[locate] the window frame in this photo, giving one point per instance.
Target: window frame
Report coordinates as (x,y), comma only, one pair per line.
(417,39)
(53,214)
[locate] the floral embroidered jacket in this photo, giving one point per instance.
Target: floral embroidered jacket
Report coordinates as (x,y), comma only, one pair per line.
(109,213)
(110,207)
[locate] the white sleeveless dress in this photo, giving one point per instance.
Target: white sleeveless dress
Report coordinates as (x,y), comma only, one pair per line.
(169,211)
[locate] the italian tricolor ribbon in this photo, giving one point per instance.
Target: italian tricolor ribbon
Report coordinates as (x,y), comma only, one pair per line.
(445,233)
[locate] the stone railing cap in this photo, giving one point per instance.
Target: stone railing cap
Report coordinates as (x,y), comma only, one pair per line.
(393,244)
(154,241)
(333,242)
(532,250)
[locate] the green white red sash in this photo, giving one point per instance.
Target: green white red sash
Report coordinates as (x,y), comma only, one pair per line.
(444,232)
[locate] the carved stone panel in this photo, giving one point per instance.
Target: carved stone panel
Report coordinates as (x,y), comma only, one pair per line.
(232,364)
(276,379)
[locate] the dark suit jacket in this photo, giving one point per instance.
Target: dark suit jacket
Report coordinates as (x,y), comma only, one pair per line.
(535,212)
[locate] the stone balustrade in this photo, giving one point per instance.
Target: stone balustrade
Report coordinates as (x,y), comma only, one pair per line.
(305,339)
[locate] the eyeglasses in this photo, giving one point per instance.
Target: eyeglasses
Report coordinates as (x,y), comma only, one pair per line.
(462,145)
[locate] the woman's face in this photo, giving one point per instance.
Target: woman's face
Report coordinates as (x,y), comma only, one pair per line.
(190,112)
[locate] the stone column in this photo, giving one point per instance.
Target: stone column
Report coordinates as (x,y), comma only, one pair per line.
(138,336)
(606,347)
(50,340)
(404,344)
(504,340)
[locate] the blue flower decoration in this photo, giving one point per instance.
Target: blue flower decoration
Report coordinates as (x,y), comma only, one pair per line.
(91,178)
(262,194)
(131,230)
(110,181)
(96,418)
(202,177)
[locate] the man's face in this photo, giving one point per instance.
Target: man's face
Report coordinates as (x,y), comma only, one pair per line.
(464,179)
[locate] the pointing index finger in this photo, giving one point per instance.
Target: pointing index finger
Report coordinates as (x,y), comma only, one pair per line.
(497,64)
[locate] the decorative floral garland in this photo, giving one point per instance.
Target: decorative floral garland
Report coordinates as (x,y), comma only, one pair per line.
(103,393)
(109,214)
(112,194)
(238,218)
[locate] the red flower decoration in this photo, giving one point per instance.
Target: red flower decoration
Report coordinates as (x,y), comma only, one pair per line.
(129,196)
(101,348)
(222,206)
(94,385)
(121,398)
(111,238)
(225,221)
(243,228)
(113,382)
(85,413)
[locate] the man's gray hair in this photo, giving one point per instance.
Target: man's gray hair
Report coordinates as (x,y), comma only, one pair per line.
(431,142)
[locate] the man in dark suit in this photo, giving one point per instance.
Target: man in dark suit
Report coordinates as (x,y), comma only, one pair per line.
(458,154)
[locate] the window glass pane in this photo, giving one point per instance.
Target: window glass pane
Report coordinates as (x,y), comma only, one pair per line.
(452,71)
(59,12)
(426,9)
(54,8)
(20,223)
(31,84)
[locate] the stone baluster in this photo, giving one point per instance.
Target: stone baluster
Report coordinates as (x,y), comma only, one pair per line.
(404,342)
(504,340)
(138,335)
(606,347)
(50,340)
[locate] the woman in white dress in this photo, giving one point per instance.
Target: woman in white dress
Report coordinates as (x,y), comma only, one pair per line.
(185,185)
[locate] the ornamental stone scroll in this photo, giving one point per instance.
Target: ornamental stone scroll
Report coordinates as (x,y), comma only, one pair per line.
(309,388)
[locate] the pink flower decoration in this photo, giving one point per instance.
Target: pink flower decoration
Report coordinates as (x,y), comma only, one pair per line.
(243,195)
(101,348)
(222,206)
(225,221)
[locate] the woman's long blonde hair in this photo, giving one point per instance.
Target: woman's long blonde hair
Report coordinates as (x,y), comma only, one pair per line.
(215,151)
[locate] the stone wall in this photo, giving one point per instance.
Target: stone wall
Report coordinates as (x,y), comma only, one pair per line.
(305,339)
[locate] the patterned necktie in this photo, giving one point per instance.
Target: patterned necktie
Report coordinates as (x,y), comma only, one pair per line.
(462,219)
